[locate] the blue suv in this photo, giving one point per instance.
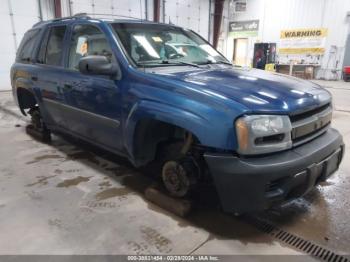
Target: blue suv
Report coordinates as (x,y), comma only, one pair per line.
(161,95)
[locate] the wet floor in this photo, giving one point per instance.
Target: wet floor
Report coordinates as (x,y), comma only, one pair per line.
(323,215)
(70,198)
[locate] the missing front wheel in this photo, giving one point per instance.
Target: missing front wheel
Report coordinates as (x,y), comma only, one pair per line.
(37,128)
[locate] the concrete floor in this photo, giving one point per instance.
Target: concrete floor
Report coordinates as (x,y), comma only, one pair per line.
(65,198)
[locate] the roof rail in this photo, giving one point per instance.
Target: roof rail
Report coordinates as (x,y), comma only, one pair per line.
(111,15)
(88,16)
(75,16)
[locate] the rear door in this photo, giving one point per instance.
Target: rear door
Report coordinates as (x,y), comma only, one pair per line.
(50,73)
(93,102)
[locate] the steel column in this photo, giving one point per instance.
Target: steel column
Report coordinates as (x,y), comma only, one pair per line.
(218,9)
(58,9)
(156,10)
(40,10)
(209,22)
(12,24)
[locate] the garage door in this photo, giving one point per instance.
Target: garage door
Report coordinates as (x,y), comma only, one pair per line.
(16,17)
(115,7)
(192,14)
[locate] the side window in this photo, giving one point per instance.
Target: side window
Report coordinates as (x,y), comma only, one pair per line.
(87,40)
(27,45)
(42,49)
(54,46)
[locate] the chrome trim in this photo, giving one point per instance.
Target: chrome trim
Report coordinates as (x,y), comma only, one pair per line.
(308,138)
(313,125)
(116,122)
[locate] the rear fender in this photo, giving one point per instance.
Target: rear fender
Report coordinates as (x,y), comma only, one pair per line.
(24,86)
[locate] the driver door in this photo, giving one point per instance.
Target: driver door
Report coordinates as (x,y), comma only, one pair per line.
(92,102)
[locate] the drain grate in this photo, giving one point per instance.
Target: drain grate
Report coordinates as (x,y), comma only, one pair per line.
(299,243)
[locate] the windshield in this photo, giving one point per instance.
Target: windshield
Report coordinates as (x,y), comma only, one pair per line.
(155,45)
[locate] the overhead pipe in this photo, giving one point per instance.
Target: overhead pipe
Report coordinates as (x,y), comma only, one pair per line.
(218,9)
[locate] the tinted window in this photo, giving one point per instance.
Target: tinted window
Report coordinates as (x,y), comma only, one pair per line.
(42,49)
(87,40)
(55,46)
(27,45)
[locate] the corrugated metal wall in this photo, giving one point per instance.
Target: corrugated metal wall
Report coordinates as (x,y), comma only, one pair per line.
(16,17)
(277,15)
(192,14)
(135,8)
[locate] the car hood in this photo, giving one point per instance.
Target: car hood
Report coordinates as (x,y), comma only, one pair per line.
(258,90)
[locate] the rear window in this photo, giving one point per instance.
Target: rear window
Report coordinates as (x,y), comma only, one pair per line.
(51,47)
(25,49)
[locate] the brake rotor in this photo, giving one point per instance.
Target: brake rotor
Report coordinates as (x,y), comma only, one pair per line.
(38,129)
(179,177)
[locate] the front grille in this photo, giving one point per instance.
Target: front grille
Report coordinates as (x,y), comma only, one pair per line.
(305,114)
(310,124)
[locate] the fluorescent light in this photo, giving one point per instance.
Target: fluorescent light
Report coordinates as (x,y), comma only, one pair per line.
(145,44)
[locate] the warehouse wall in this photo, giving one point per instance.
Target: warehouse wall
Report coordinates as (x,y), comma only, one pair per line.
(16,17)
(135,8)
(277,15)
(192,14)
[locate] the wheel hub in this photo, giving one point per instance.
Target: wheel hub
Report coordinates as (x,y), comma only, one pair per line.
(175,179)
(178,177)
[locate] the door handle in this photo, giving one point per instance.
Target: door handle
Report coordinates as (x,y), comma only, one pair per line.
(34,78)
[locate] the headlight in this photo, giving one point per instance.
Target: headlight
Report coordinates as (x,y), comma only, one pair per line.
(259,134)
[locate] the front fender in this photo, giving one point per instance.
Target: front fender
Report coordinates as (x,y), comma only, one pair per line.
(208,133)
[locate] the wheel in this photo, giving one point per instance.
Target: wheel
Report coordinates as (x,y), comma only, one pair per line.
(37,128)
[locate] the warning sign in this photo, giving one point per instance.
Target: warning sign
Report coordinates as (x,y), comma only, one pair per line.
(303,41)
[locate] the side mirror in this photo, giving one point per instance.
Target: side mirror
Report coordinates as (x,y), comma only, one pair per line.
(97,65)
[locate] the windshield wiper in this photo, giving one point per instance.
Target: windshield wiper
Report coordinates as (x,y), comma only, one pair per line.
(179,63)
(209,62)
(167,62)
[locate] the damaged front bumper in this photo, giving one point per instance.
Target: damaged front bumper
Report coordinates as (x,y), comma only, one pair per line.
(257,183)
